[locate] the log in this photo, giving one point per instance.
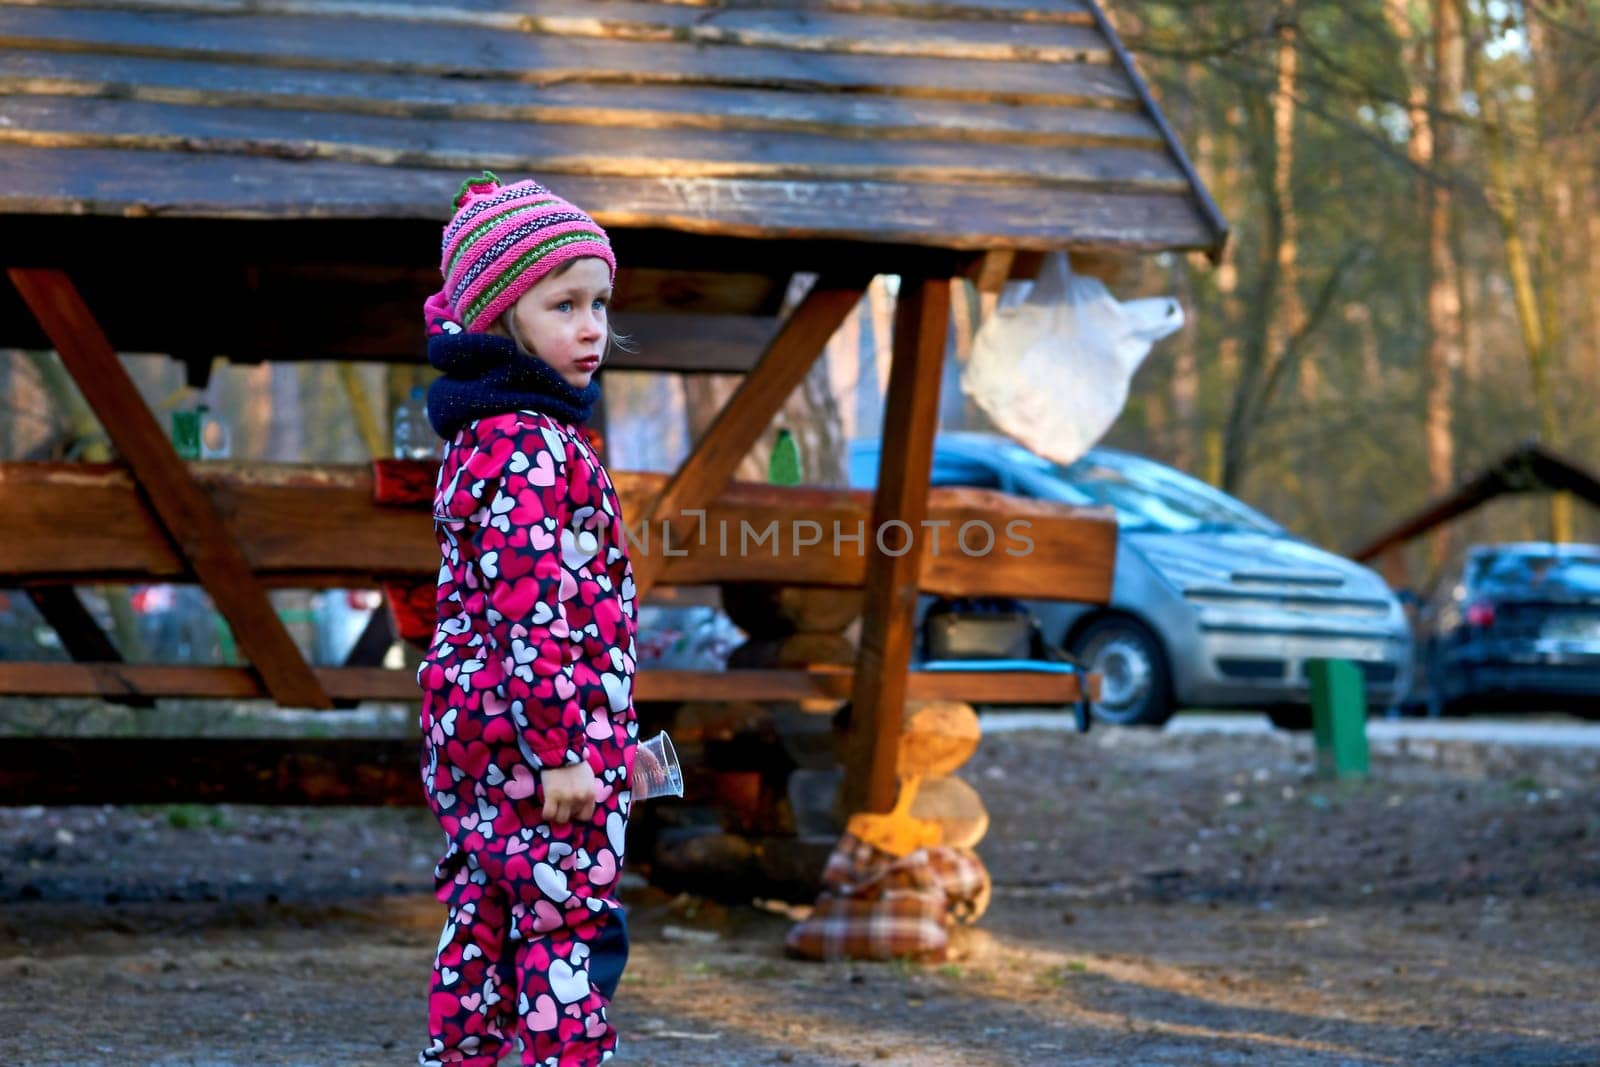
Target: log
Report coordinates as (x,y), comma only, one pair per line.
(763,610)
(938,737)
(955,807)
(175,770)
(809,650)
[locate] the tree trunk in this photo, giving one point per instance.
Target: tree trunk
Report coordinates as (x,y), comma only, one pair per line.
(1185,387)
(79,436)
(1503,205)
(1428,148)
(1290,317)
(1443,301)
(843,356)
(1273,317)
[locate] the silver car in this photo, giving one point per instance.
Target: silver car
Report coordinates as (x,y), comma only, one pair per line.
(1212,604)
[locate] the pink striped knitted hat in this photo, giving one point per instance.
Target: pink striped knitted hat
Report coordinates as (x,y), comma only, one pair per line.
(502,240)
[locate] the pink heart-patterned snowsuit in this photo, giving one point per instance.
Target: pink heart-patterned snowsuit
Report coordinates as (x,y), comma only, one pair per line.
(531,666)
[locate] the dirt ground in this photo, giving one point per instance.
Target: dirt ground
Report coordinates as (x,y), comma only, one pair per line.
(1160,899)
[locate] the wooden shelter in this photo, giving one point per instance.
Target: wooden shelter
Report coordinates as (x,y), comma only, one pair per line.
(266,179)
(1528,468)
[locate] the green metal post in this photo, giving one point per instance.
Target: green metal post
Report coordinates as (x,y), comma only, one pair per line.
(1338,718)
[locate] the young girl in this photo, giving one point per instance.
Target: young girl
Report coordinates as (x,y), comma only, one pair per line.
(527,713)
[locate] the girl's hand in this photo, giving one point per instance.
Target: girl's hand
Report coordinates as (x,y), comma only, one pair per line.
(569,792)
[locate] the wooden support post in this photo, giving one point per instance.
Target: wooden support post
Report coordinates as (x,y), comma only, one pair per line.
(181,506)
(750,410)
(911,417)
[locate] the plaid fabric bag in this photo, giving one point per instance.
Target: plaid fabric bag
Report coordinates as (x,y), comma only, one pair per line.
(875,906)
(896,924)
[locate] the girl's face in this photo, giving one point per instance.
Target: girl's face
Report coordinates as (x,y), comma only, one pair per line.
(562,319)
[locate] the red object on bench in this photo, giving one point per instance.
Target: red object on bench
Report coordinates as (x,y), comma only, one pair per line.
(405,483)
(408,483)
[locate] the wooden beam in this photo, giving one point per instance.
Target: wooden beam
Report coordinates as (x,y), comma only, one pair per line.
(318,527)
(693,343)
(911,417)
(174,770)
(991,271)
(112,680)
(351,770)
(182,508)
(750,410)
(358,312)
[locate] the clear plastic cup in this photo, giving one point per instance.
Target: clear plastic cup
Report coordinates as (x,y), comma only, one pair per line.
(655,769)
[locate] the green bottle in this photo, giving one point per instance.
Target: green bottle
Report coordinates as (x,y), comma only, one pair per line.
(784,466)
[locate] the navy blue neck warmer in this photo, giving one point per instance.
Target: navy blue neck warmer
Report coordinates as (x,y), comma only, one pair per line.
(484,374)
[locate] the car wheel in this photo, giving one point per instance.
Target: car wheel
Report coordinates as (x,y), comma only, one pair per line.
(1290,716)
(1135,681)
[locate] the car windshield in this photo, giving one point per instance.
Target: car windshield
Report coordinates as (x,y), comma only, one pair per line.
(1150,497)
(1539,573)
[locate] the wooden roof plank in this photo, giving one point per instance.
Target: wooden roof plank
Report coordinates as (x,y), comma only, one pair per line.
(84,181)
(607,106)
(79,122)
(1041,11)
(410,47)
(794,29)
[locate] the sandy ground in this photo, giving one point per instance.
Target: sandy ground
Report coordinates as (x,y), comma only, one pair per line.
(1175,898)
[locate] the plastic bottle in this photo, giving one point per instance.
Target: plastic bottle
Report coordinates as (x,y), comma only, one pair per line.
(216,441)
(783,467)
(413,436)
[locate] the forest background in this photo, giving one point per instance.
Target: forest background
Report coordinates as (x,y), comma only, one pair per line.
(1409,290)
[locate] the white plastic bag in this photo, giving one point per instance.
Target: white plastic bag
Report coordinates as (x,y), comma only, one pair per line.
(1052,371)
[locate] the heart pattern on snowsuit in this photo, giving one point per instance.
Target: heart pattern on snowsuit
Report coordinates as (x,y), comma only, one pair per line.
(531,666)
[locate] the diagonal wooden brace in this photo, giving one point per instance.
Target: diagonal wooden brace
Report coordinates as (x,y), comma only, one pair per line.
(182,508)
(748,412)
(80,634)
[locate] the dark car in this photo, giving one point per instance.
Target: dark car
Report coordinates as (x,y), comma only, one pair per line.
(1516,627)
